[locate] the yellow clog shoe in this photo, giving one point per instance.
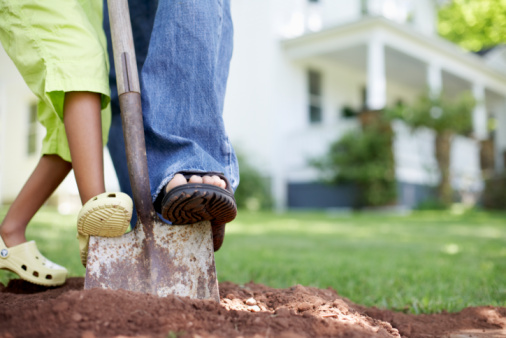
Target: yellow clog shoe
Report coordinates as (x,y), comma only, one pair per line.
(105,215)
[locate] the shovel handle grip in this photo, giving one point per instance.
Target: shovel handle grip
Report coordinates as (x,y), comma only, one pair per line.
(131,108)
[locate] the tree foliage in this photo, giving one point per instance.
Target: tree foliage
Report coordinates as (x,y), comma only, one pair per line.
(473,24)
(437,112)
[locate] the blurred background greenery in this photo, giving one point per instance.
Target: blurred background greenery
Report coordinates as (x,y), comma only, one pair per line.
(474,25)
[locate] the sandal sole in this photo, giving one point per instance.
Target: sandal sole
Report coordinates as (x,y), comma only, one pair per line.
(192,203)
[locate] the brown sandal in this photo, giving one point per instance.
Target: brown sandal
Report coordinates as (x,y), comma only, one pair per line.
(195,202)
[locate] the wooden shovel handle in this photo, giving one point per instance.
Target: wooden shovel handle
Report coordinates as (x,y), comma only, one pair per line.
(131,109)
(123,47)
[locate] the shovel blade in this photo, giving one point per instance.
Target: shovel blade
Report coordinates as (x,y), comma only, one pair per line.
(163,260)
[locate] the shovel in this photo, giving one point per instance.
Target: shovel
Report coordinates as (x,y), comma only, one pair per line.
(155,257)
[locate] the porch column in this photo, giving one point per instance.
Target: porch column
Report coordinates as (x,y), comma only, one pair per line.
(479,112)
(376,74)
(500,136)
(434,79)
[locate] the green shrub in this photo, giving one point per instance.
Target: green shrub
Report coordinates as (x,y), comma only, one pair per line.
(364,159)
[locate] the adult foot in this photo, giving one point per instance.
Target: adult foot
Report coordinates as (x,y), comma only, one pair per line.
(194,197)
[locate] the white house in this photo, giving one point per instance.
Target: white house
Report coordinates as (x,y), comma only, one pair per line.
(368,53)
(296,64)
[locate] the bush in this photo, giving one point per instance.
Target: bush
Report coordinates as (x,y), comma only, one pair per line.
(253,192)
(364,159)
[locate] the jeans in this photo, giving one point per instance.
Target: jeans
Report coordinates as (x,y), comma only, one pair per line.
(183,50)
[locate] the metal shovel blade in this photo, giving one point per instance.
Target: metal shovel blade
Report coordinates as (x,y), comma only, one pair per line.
(172,260)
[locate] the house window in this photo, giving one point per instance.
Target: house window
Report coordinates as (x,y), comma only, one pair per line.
(32,129)
(315,96)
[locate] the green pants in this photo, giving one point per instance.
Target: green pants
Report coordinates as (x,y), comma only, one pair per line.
(58,46)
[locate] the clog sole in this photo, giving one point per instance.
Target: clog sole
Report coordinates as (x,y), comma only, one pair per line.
(105,215)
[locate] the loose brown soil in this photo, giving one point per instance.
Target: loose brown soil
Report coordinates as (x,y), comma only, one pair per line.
(251,310)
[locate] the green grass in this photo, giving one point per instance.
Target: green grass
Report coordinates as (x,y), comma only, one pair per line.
(422,263)
(425,262)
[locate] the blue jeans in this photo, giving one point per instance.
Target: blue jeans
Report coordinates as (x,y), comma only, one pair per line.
(183,51)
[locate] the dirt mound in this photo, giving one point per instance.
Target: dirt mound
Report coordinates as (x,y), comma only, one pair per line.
(251,310)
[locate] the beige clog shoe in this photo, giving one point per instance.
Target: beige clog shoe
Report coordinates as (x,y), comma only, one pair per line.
(26,261)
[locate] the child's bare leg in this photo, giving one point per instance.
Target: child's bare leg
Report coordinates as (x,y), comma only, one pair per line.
(82,118)
(47,176)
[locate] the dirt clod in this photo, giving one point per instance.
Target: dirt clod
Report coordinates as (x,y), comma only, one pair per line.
(304,306)
(77,317)
(248,311)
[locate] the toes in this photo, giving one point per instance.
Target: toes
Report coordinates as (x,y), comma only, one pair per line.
(208,180)
(177,180)
(219,182)
(214,180)
(195,179)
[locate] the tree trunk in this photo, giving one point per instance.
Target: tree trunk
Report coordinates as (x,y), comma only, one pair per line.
(487,158)
(443,146)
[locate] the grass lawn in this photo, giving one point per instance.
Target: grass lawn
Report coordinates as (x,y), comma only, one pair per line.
(424,262)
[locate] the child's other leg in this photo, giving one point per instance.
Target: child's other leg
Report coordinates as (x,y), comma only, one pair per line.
(82,119)
(16,253)
(47,176)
